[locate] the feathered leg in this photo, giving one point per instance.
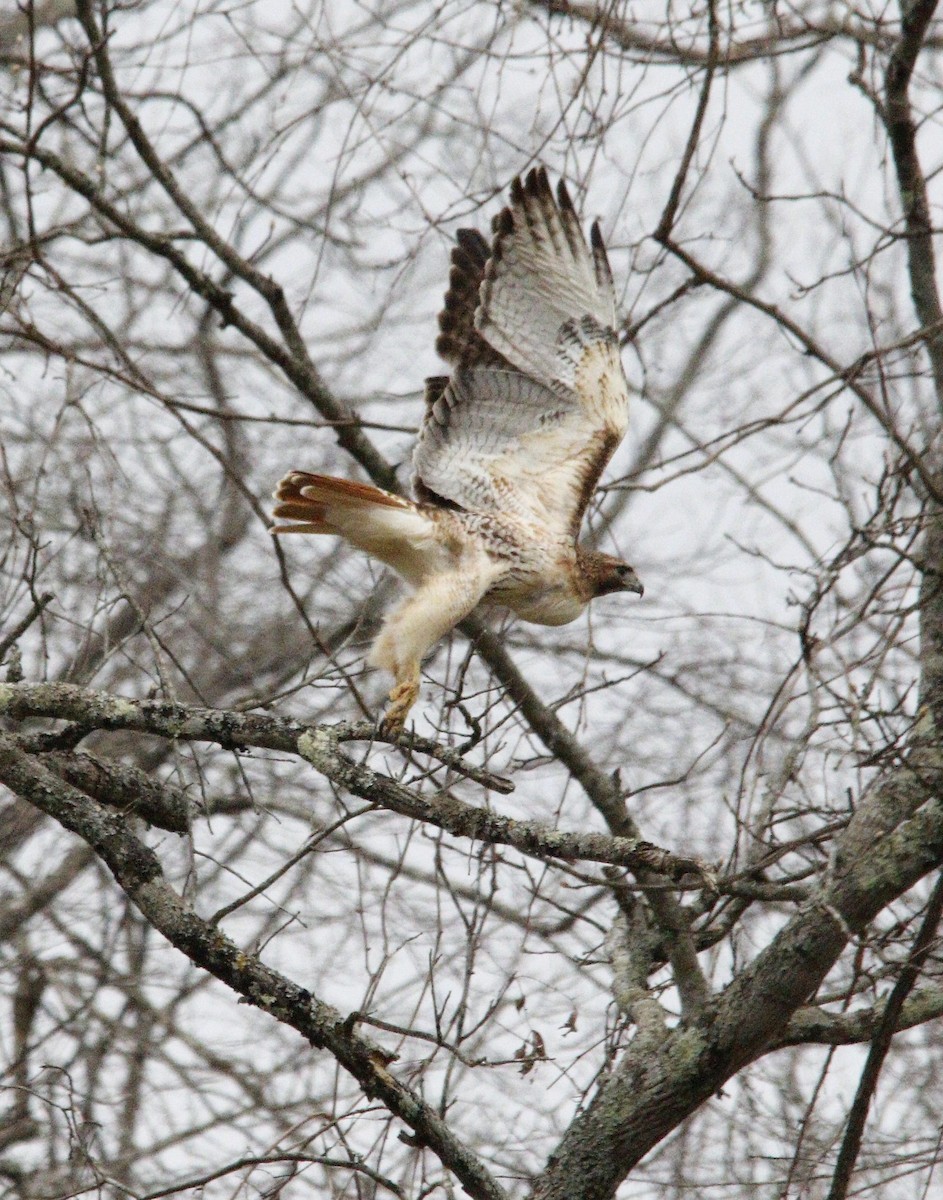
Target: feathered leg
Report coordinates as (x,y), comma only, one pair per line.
(416,624)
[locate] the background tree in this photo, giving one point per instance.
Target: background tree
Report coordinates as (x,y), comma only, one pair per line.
(225,236)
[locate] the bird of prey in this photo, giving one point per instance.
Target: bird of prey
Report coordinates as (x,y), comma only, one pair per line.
(511,447)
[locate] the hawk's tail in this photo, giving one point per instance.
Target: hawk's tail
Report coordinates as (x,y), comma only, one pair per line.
(366,516)
(320,503)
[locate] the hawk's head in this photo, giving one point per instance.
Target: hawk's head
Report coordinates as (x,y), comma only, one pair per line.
(606,574)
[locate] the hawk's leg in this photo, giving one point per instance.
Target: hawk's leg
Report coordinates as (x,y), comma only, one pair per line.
(415,625)
(402,697)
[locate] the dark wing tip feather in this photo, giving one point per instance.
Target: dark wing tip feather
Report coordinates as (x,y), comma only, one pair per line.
(535,211)
(458,340)
(600,257)
(471,242)
(563,198)
(503,223)
(545,213)
(537,184)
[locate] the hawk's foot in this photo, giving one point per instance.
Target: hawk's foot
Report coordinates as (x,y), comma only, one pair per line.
(402,698)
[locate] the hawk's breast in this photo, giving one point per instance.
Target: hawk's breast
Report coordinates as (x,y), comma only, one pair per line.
(553,603)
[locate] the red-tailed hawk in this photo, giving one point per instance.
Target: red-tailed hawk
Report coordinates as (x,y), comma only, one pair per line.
(511,447)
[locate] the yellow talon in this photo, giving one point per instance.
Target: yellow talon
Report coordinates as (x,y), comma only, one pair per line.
(402,698)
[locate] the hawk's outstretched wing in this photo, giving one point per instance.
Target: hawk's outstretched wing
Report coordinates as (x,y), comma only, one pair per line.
(537,400)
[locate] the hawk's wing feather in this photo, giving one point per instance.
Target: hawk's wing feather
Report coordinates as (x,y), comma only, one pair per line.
(459,342)
(537,402)
(476,434)
(540,275)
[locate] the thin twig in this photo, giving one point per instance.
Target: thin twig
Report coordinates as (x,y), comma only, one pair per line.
(666,224)
(21,627)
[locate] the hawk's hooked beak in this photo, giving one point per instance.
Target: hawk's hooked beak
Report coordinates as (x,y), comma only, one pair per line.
(618,577)
(631,582)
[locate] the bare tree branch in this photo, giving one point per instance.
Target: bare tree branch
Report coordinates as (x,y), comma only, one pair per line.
(138,872)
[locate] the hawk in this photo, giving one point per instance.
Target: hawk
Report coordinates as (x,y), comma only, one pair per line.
(511,447)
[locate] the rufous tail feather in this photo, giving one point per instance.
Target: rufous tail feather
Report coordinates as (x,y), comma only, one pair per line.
(305,499)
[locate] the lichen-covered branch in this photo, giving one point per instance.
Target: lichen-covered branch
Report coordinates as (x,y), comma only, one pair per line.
(320,745)
(124,788)
(138,872)
(815,1026)
(651,1092)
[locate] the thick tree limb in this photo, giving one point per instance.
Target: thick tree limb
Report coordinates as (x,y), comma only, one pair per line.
(123,787)
(138,872)
(813,1026)
(650,1093)
(320,745)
